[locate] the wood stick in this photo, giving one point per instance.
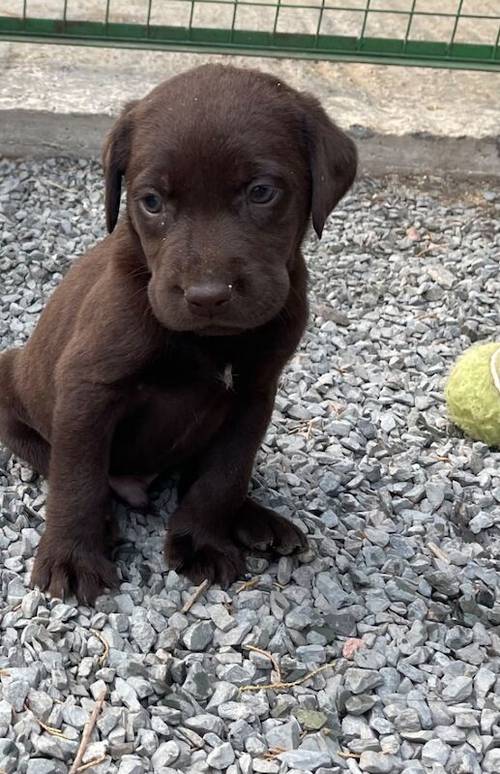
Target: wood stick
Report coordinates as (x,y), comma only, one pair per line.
(87,732)
(438,552)
(283,686)
(197,594)
(104,656)
(89,765)
(267,655)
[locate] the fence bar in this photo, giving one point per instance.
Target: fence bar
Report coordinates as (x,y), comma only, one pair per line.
(299,36)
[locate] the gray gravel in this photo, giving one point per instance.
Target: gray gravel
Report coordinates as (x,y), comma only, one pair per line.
(397,600)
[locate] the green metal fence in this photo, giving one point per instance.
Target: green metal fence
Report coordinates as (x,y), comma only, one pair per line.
(445,33)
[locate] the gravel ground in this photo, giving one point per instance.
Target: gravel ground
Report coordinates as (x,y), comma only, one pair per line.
(394,608)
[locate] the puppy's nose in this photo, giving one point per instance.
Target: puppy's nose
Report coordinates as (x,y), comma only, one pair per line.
(207,298)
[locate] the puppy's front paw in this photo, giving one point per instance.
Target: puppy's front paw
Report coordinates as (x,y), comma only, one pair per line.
(216,560)
(261,528)
(66,566)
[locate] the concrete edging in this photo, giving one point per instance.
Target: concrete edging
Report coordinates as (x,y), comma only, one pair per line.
(35,133)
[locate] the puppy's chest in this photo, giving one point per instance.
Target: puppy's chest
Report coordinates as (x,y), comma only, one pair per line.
(207,371)
(186,401)
(226,376)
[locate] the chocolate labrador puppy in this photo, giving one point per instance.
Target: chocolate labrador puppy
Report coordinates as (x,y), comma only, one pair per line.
(163,346)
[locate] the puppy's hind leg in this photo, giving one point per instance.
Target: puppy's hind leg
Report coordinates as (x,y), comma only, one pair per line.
(15,434)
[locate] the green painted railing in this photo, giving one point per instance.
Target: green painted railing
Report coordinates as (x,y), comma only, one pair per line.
(438,33)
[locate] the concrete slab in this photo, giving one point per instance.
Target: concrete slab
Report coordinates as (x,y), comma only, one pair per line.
(61,99)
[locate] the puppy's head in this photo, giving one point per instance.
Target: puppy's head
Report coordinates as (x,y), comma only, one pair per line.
(224,168)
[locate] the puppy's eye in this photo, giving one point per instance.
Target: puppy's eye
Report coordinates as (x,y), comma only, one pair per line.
(152,203)
(262,193)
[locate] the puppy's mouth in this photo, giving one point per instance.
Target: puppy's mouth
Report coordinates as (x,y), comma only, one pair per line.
(232,321)
(219,330)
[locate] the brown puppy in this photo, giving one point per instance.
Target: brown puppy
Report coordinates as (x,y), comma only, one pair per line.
(164,344)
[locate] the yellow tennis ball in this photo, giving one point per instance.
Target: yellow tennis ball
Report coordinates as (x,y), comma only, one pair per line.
(473,393)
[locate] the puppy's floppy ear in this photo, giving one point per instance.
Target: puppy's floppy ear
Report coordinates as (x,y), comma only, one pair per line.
(115,154)
(332,160)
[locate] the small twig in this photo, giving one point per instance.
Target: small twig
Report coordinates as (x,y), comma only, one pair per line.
(270,755)
(197,594)
(87,733)
(95,762)
(49,729)
(104,656)
(310,427)
(57,185)
(279,686)
(348,754)
(4,673)
(438,552)
(267,655)
(247,585)
(303,428)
